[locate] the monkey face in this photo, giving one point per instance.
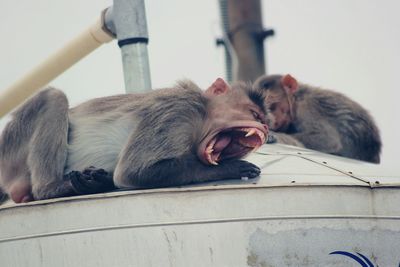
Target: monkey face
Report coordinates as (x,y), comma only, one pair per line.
(279,91)
(281,116)
(235,127)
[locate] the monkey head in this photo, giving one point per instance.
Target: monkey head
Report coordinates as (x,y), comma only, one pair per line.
(279,97)
(234,126)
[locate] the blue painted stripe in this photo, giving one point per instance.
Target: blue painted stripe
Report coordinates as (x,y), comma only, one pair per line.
(354,257)
(366,259)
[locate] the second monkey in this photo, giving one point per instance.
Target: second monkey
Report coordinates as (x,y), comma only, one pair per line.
(319,119)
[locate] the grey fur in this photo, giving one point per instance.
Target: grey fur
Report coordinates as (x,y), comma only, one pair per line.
(145,140)
(33,146)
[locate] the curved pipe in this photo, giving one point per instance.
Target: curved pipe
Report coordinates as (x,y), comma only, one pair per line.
(72,52)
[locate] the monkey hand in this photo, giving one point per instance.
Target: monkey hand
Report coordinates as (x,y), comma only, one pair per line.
(91,181)
(238,169)
(271,138)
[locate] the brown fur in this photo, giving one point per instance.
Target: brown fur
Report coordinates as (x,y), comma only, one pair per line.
(321,119)
(134,141)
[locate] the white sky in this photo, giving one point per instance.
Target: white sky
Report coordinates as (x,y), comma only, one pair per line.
(351,46)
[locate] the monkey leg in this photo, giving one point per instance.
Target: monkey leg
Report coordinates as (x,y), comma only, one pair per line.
(33,148)
(182,171)
(286,139)
(48,145)
(321,137)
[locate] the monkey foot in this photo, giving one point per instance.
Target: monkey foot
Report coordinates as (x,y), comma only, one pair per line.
(91,181)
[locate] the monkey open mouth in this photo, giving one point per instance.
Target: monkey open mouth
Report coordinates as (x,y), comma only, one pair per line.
(233,143)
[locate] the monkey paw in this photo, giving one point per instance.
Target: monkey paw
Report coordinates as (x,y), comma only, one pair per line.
(91,181)
(249,170)
(241,168)
(271,139)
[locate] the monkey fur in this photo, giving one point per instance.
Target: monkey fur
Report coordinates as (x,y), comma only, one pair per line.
(319,119)
(167,137)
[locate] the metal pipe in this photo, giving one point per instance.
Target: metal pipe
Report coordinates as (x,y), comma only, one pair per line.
(245,29)
(127,18)
(54,65)
(223,7)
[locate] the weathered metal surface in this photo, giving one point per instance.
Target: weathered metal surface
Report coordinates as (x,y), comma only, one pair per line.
(270,221)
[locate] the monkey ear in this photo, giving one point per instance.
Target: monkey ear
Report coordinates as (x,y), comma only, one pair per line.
(218,87)
(289,83)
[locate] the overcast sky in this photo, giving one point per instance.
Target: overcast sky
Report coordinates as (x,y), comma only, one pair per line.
(351,46)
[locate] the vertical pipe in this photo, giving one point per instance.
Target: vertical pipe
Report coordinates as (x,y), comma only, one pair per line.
(245,31)
(223,6)
(129,22)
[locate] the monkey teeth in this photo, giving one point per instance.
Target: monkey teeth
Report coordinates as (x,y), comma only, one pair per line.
(210,147)
(251,132)
(211,160)
(209,151)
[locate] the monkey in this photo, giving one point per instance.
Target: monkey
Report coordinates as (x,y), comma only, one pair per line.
(319,119)
(166,137)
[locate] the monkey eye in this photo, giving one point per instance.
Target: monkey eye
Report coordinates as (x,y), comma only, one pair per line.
(267,85)
(273,107)
(257,116)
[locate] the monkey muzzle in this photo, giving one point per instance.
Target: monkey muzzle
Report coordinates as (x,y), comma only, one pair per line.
(233,143)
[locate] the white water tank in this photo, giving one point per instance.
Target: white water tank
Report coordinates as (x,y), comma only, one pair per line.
(306,209)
